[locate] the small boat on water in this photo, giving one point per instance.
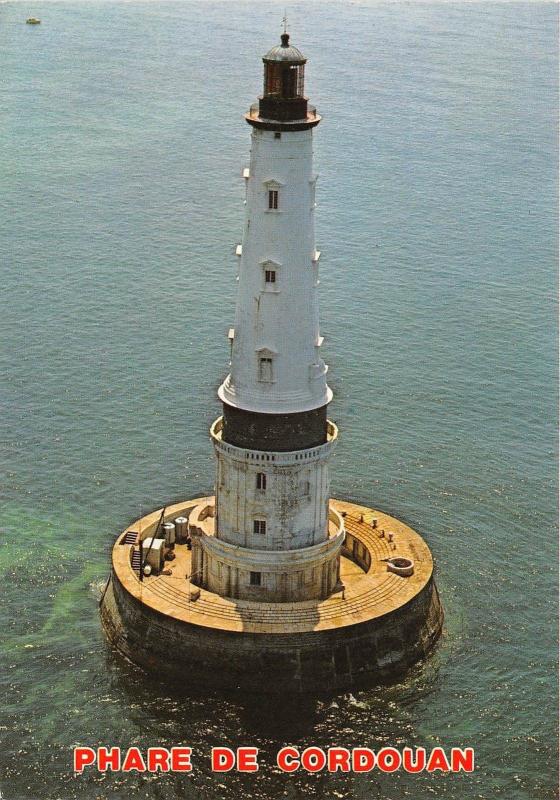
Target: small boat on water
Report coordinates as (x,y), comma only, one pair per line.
(33,21)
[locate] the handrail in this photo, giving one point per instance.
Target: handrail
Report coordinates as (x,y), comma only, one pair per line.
(154,534)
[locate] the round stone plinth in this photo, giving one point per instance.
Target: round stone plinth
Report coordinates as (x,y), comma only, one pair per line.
(378,624)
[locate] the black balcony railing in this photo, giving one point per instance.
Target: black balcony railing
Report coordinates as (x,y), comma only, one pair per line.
(271,113)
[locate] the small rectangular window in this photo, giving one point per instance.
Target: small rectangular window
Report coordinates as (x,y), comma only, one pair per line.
(273,199)
(265,369)
(259,526)
(261,480)
(270,275)
(255,578)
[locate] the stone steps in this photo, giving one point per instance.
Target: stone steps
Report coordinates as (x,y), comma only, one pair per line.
(240,611)
(136,561)
(356,602)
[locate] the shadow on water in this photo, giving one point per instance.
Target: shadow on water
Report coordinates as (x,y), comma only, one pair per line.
(268,717)
(158,712)
(255,714)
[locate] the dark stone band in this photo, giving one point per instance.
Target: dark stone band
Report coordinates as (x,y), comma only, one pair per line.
(279,432)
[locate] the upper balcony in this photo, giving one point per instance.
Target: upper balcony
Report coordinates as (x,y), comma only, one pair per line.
(295,115)
(290,457)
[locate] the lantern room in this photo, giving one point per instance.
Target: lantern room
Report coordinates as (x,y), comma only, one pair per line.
(283,97)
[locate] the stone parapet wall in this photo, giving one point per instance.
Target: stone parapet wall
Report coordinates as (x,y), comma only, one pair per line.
(314,662)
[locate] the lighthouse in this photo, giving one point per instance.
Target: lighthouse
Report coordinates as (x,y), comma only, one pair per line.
(269,584)
(275,536)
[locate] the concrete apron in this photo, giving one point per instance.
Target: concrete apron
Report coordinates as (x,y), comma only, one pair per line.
(363,637)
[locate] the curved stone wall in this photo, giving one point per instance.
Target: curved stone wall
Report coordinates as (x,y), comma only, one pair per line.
(371,629)
(315,662)
(267,576)
(287,491)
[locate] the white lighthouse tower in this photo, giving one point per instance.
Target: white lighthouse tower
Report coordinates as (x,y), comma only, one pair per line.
(269,584)
(275,538)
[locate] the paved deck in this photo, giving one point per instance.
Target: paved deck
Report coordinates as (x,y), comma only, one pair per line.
(366,595)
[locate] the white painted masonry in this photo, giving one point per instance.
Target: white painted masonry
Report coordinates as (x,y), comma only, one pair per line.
(270,533)
(278,321)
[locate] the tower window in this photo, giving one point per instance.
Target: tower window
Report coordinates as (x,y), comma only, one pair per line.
(255,578)
(265,370)
(273,199)
(259,526)
(270,276)
(261,481)
(277,135)
(273,78)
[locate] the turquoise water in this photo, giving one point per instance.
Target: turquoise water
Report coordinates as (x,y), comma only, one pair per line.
(121,148)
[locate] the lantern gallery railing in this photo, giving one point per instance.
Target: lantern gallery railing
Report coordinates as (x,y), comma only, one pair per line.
(279,458)
(285,111)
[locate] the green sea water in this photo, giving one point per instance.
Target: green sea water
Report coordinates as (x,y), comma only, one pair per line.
(121,148)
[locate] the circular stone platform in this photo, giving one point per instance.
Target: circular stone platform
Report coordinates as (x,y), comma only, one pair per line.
(379,624)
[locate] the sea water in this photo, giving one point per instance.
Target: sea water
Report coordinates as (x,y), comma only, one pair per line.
(121,149)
